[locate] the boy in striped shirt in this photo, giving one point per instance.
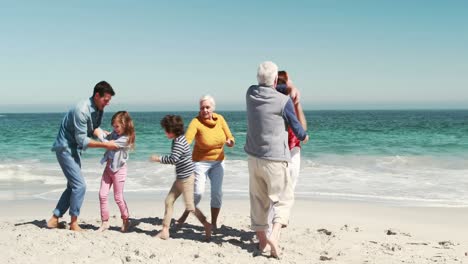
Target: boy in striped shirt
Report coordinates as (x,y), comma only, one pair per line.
(181,157)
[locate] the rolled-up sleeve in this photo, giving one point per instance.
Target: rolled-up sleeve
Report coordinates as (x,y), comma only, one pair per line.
(80,123)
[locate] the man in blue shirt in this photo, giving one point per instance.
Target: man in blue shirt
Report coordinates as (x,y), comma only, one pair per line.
(74,136)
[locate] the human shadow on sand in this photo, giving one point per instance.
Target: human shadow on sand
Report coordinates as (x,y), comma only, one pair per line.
(224,234)
(62,225)
(241,238)
(38,223)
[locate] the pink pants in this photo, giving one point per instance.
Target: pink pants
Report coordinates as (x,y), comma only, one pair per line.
(117,179)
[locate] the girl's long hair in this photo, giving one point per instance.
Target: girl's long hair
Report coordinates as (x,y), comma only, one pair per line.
(124,119)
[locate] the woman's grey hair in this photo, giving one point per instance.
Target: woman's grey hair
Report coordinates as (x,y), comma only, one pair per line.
(210,99)
(267,73)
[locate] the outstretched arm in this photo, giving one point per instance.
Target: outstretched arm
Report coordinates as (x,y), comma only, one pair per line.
(290,117)
(191,131)
(300,115)
(110,145)
(230,141)
(293,92)
(80,123)
(176,154)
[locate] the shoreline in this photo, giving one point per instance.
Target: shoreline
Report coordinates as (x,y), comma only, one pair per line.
(343,232)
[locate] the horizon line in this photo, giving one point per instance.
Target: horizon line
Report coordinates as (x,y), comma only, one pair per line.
(239,110)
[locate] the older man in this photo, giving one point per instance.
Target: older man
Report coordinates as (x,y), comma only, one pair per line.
(74,135)
(268,115)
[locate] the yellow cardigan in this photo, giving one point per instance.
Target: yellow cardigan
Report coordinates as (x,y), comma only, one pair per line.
(210,137)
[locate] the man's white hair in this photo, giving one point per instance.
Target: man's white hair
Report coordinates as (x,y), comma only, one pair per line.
(210,99)
(267,73)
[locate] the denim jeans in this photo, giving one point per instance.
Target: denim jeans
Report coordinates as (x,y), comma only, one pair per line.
(214,170)
(73,195)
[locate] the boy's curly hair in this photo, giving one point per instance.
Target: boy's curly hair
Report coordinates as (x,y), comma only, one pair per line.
(173,124)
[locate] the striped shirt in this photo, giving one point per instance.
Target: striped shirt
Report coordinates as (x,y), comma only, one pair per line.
(181,156)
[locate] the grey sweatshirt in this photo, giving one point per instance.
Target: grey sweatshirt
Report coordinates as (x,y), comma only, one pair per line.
(267,134)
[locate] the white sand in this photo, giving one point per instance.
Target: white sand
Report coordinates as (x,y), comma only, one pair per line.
(358,235)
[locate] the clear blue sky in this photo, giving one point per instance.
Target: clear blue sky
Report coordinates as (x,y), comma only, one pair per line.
(164,55)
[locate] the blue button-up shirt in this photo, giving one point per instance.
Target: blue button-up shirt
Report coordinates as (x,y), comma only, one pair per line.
(77,127)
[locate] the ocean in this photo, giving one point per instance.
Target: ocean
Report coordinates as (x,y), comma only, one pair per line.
(409,158)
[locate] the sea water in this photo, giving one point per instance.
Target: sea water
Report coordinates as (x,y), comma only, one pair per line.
(417,158)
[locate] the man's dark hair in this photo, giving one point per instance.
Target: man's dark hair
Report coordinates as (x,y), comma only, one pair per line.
(173,124)
(102,88)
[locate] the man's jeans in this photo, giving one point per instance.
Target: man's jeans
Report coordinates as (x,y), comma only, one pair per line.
(73,195)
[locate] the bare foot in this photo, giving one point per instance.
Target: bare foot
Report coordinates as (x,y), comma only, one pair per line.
(75,227)
(104,226)
(208,228)
(163,234)
(275,250)
(125,225)
(53,222)
(265,249)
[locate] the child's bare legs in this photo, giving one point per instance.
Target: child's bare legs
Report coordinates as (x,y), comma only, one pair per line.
(205,223)
(182,219)
(214,217)
(104,226)
(53,222)
(273,240)
(74,224)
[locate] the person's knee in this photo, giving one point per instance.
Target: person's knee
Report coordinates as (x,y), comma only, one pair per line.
(102,197)
(169,201)
(118,198)
(80,188)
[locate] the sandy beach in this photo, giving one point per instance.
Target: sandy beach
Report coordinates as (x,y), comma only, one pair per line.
(319,232)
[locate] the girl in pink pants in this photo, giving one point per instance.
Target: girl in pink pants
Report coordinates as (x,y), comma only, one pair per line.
(115,172)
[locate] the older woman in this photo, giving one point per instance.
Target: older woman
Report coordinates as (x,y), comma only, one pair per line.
(210,132)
